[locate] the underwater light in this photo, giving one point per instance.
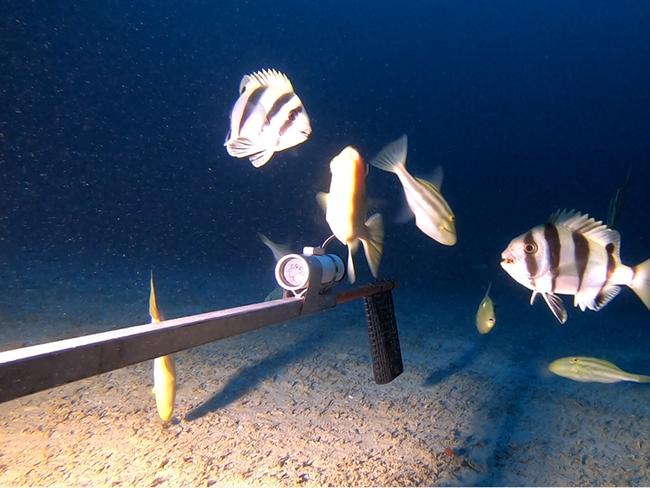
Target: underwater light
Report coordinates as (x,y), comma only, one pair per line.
(294,272)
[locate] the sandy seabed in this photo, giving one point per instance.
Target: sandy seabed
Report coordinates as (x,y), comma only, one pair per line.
(295,404)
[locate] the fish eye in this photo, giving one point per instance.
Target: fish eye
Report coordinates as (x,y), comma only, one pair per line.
(452,218)
(530,248)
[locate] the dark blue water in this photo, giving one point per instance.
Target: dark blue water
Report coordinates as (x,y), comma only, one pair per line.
(114,115)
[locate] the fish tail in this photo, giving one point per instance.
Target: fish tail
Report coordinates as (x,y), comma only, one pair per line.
(393,156)
(641,282)
(154,312)
(373,244)
(642,378)
(352,248)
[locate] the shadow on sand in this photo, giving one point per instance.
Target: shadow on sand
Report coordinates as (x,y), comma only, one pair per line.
(467,357)
(249,377)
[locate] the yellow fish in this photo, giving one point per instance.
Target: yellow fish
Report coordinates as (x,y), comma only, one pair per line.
(164,371)
(593,370)
(485,317)
(345,210)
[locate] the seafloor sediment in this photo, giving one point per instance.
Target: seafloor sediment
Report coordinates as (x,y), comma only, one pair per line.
(296,404)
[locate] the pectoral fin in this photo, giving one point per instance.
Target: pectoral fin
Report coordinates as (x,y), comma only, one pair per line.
(321,199)
(352,275)
(556,305)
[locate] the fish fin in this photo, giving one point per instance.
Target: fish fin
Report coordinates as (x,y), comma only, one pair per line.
(373,244)
(589,227)
(261,158)
(244,147)
(595,302)
(641,282)
(278,250)
(556,305)
(154,312)
(266,77)
(392,156)
(321,199)
(487,292)
(640,378)
(605,296)
(435,178)
(373,204)
(352,247)
(405,213)
(533,296)
(276,294)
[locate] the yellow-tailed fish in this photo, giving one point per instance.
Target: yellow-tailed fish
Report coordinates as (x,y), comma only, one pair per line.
(593,370)
(164,371)
(573,254)
(433,216)
(278,250)
(267,117)
(345,210)
(485,317)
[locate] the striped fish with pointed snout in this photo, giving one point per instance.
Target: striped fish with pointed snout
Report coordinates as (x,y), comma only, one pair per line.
(573,254)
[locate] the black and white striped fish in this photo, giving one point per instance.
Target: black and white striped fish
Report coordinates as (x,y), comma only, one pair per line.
(573,254)
(268,117)
(433,216)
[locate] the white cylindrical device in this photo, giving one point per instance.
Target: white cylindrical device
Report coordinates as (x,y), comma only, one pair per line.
(293,271)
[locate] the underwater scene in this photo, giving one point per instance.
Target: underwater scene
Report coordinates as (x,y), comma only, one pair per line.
(490,160)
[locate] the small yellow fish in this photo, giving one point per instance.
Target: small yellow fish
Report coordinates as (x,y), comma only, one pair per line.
(593,370)
(345,210)
(485,317)
(164,371)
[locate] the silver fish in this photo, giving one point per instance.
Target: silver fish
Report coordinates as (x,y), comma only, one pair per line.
(268,117)
(573,254)
(433,216)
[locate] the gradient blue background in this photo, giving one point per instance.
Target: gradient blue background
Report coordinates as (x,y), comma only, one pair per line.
(114,116)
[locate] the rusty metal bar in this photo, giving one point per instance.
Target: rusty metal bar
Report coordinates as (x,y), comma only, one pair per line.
(35,368)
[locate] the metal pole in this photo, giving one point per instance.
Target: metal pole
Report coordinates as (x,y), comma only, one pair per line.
(35,368)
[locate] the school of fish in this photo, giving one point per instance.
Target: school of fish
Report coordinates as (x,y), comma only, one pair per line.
(572,254)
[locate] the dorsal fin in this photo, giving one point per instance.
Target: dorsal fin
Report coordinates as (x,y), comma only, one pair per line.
(266,77)
(589,227)
(487,292)
(435,178)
